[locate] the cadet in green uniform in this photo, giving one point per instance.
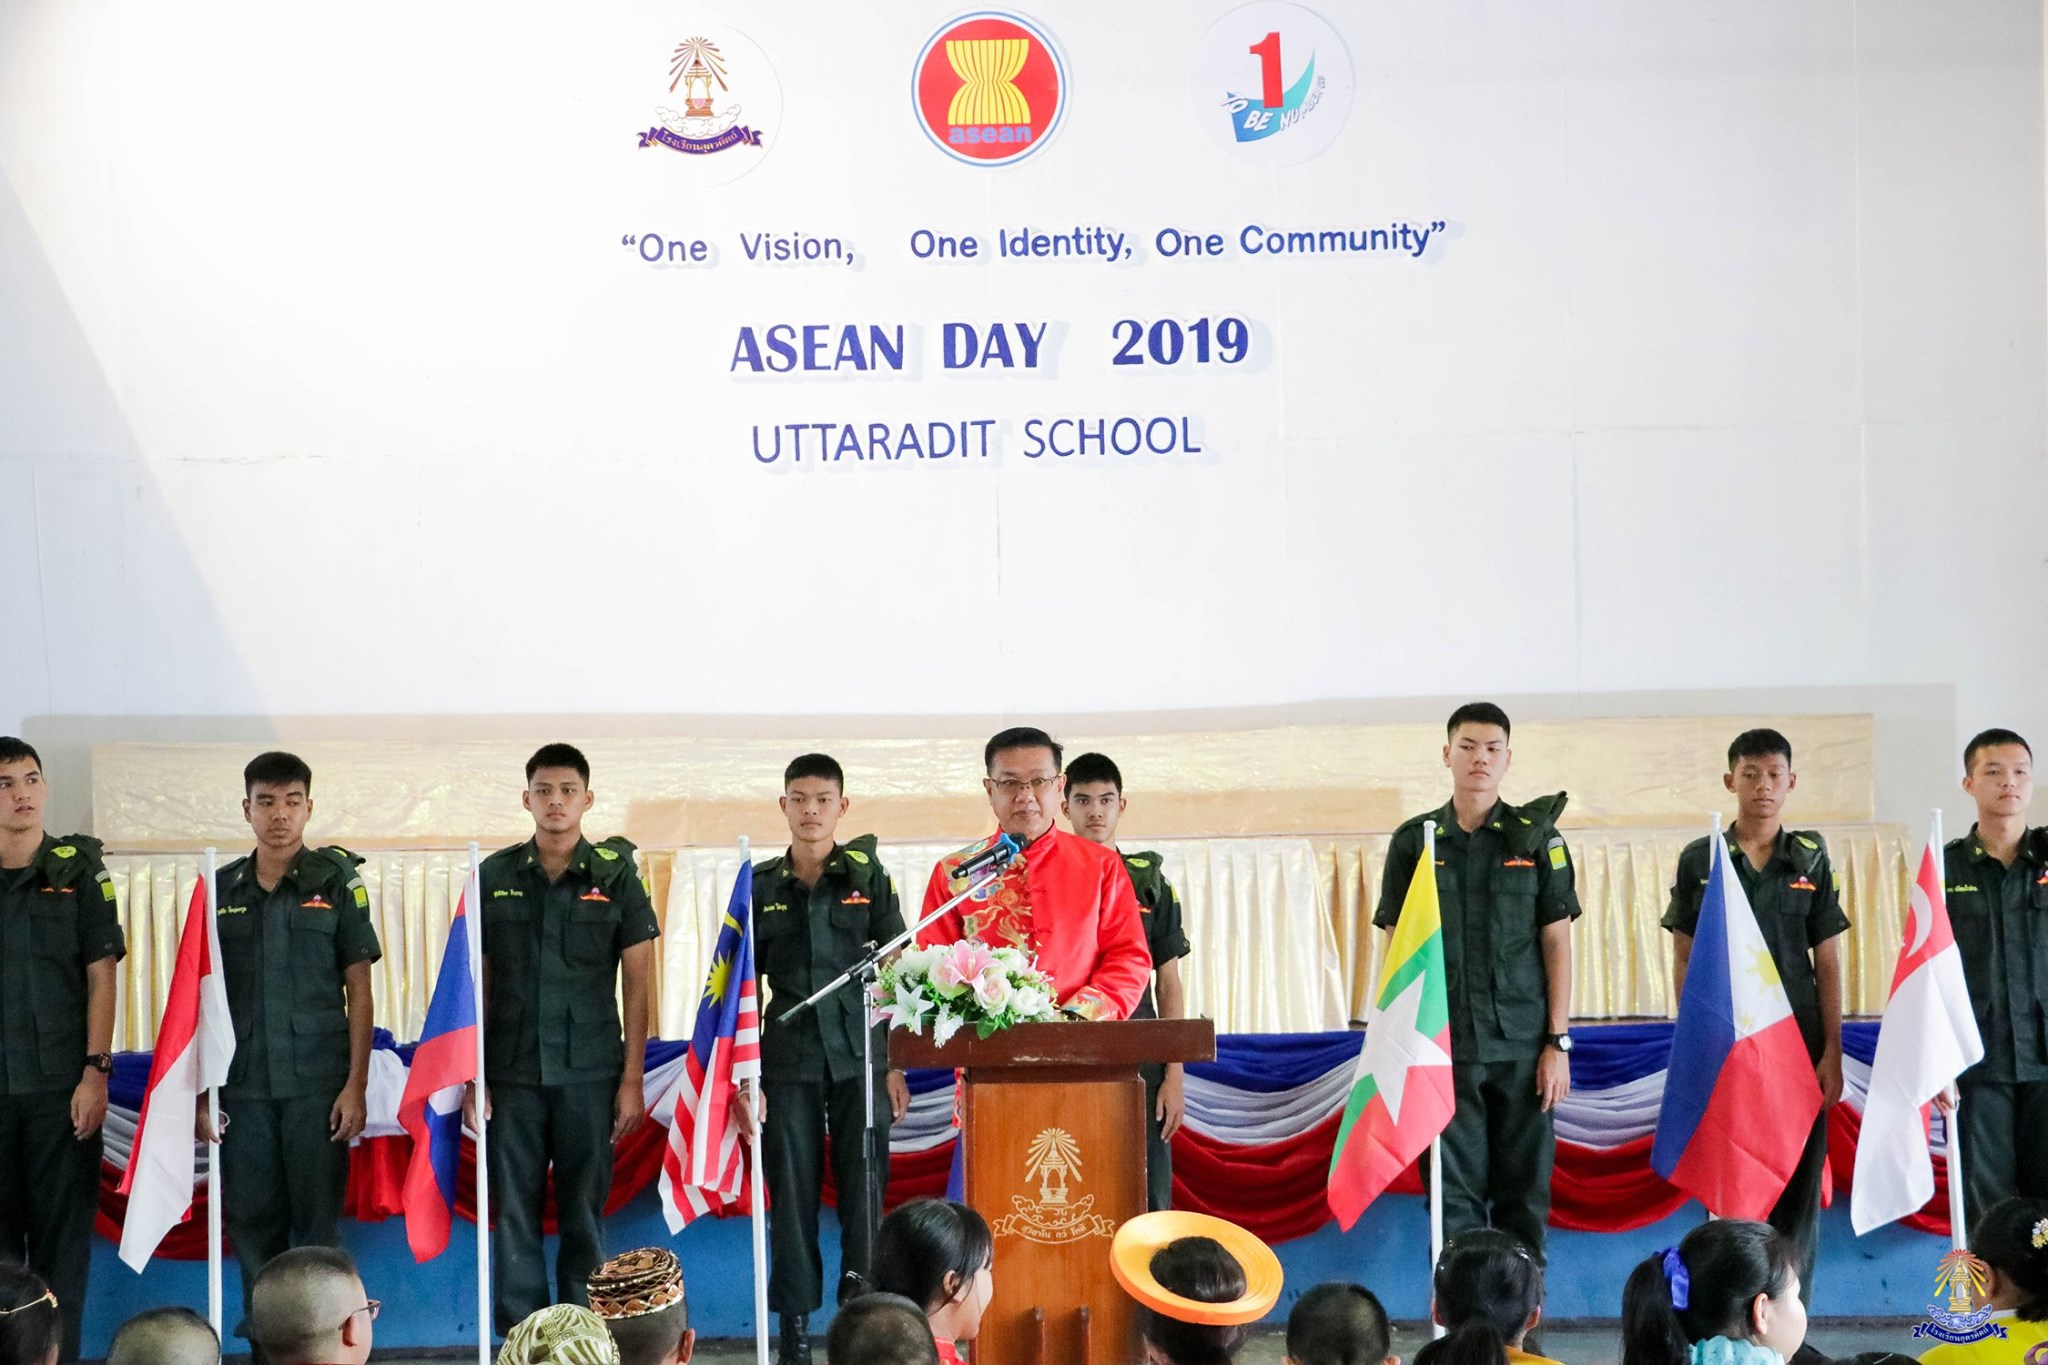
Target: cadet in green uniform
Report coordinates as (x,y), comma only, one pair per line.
(1504,881)
(1997,880)
(1797,900)
(1093,805)
(567,931)
(296,946)
(59,941)
(816,908)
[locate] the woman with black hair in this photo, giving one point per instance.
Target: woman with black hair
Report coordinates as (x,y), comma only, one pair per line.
(1489,1297)
(1728,1294)
(2011,1238)
(31,1329)
(939,1255)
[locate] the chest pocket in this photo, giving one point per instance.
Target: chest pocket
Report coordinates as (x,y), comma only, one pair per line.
(591,933)
(508,930)
(313,940)
(53,930)
(1518,990)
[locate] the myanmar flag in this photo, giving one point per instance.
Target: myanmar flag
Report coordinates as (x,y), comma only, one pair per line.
(1402,1097)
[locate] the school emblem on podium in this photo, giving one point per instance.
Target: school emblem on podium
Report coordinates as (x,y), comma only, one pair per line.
(1967,1316)
(1053,1164)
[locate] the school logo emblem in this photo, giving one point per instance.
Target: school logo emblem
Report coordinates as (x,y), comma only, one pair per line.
(1053,1163)
(1963,1278)
(318,902)
(989,88)
(717,105)
(1272,84)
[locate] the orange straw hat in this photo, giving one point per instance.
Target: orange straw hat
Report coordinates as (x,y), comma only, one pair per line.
(1130,1257)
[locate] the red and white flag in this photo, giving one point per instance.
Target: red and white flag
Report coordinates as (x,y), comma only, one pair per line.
(1928,1038)
(194,1045)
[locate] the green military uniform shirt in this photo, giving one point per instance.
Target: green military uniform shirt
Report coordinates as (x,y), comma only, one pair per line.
(284,956)
(2000,917)
(805,936)
(1159,906)
(1497,888)
(554,950)
(1797,900)
(57,916)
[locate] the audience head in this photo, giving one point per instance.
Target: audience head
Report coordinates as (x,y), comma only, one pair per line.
(640,1297)
(1728,1278)
(308,1307)
(939,1255)
(2011,1238)
(881,1329)
(31,1328)
(165,1336)
(562,1334)
(1488,1294)
(1197,1268)
(1339,1324)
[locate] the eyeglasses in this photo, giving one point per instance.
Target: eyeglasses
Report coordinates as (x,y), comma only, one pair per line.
(1009,788)
(49,1296)
(373,1307)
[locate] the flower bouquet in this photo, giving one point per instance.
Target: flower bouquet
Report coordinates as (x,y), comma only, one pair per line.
(955,984)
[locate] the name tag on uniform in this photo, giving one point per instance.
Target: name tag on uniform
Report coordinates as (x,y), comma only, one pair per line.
(771,909)
(233,910)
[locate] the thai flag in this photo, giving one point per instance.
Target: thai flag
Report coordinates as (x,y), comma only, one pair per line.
(704,1162)
(1741,1095)
(195,1043)
(431,1107)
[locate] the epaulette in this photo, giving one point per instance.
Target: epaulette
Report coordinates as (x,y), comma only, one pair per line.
(1805,848)
(1526,826)
(70,859)
(612,859)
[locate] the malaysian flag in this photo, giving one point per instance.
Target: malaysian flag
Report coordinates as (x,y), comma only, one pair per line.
(704,1168)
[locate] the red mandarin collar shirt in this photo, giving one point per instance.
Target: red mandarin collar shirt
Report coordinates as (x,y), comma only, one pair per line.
(1067,902)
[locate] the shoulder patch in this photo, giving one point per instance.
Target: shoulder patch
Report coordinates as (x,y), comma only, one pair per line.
(64,851)
(857,855)
(361,894)
(609,855)
(1559,858)
(1810,843)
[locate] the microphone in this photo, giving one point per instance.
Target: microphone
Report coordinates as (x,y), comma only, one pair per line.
(997,854)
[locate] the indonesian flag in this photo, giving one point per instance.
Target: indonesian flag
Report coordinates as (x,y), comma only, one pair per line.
(1928,1037)
(1741,1096)
(1401,1099)
(194,1045)
(704,1168)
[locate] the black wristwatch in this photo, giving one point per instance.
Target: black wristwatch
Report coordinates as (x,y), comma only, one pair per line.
(1561,1041)
(102,1062)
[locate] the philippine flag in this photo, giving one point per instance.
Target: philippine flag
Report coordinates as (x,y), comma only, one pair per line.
(1741,1095)
(431,1107)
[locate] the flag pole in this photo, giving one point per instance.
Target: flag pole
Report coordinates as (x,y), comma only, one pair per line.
(473,916)
(1952,1121)
(1436,1144)
(757,1172)
(213,1235)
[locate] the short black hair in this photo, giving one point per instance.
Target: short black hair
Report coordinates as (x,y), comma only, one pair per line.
(14,750)
(1339,1324)
(276,768)
(559,756)
(651,1337)
(1760,743)
(32,1326)
(1992,739)
(1199,1268)
(274,1327)
(1478,713)
(1020,737)
(881,1329)
(815,765)
(144,1338)
(1094,768)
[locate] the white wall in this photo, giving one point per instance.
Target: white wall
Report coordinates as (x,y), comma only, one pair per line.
(326,389)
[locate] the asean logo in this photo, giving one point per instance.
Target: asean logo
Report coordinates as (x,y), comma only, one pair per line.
(989,88)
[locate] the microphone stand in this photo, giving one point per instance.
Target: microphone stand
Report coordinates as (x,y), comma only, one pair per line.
(864,970)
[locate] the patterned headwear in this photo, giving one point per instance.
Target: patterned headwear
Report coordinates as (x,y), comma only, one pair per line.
(637,1283)
(565,1334)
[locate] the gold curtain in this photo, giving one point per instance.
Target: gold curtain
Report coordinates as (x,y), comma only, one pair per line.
(1281,926)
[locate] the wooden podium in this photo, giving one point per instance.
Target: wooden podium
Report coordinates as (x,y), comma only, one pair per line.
(1054,1119)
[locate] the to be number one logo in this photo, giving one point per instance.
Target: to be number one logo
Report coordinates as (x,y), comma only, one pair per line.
(1294,112)
(1272,93)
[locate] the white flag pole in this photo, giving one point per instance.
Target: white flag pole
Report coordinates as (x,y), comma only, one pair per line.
(1436,1144)
(214,1120)
(1952,1122)
(758,1172)
(473,915)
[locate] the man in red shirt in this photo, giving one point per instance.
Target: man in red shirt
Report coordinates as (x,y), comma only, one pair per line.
(1066,901)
